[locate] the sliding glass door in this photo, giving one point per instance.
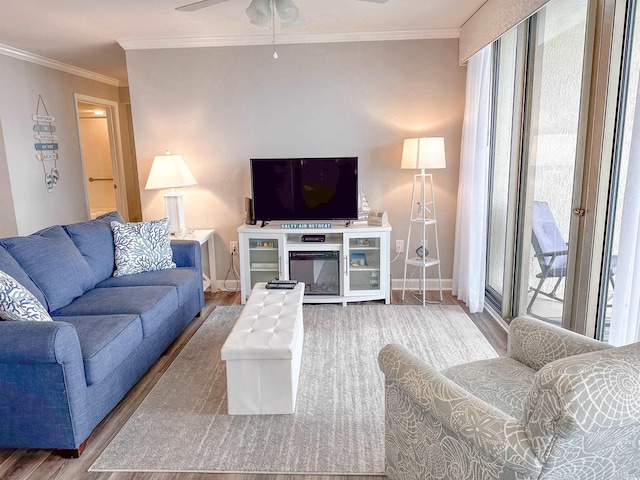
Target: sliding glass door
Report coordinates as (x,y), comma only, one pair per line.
(556,60)
(500,164)
(564,203)
(619,302)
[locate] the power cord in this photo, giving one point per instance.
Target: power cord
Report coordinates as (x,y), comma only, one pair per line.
(236,277)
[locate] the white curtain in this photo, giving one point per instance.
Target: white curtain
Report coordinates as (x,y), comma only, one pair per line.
(625,313)
(469,261)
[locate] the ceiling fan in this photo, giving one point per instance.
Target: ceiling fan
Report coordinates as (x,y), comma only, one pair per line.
(260,11)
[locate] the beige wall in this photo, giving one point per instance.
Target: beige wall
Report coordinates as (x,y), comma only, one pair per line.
(129,156)
(8,225)
(33,207)
(219,107)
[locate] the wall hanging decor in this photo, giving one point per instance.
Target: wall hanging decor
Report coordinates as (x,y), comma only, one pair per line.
(46,143)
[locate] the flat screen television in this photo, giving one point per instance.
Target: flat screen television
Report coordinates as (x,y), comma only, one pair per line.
(308,189)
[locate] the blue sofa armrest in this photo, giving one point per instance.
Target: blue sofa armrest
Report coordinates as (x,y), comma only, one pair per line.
(187,253)
(41,378)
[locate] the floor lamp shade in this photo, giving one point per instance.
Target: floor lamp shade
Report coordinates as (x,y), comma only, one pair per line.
(423,153)
(171,171)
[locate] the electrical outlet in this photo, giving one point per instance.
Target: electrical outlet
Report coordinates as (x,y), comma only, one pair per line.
(233,247)
(399,246)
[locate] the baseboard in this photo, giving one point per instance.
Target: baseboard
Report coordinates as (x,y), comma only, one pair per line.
(228,285)
(495,316)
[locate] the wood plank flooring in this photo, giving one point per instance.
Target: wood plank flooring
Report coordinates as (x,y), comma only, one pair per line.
(27,464)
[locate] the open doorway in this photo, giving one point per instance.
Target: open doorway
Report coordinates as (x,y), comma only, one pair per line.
(99,134)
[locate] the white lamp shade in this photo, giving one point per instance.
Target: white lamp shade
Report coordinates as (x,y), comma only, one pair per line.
(425,152)
(169,171)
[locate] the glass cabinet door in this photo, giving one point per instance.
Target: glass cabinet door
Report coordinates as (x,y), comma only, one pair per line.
(362,263)
(265,259)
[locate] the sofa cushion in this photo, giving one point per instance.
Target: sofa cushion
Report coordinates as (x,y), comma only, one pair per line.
(54,264)
(154,304)
(105,341)
(186,280)
(94,239)
(142,247)
(501,382)
(19,304)
(9,265)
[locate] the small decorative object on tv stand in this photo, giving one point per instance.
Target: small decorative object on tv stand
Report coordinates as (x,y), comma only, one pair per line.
(377,217)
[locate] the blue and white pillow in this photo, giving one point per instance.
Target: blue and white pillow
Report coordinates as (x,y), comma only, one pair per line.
(18,303)
(142,247)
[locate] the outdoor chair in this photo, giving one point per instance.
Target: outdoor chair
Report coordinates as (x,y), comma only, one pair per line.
(560,406)
(551,252)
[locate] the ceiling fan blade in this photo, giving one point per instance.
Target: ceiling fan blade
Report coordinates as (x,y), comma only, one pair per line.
(190,7)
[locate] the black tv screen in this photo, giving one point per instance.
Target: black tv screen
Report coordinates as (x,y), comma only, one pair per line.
(305,188)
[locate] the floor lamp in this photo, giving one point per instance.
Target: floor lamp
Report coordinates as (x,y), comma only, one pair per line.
(171,171)
(423,153)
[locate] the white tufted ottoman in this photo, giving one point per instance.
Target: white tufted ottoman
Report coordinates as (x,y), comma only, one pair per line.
(264,352)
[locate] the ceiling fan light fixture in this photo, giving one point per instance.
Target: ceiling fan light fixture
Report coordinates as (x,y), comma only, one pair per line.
(287,12)
(259,12)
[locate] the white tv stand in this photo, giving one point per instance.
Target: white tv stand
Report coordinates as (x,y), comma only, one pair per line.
(351,265)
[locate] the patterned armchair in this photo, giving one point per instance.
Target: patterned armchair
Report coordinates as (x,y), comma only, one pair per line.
(560,406)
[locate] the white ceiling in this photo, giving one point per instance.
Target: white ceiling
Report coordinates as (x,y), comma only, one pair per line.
(85,33)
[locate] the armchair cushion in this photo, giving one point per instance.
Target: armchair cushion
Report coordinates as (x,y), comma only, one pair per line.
(501,382)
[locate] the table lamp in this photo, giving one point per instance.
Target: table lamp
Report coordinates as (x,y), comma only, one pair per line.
(171,171)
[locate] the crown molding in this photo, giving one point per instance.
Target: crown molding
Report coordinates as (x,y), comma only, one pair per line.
(286,38)
(56,65)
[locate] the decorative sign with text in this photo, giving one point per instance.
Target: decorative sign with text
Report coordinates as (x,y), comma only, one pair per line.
(46,143)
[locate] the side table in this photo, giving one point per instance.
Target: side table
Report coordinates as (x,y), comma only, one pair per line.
(207,242)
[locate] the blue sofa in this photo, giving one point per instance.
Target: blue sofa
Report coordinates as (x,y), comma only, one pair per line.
(59,379)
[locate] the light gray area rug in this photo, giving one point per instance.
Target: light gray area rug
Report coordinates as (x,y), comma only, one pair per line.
(338,427)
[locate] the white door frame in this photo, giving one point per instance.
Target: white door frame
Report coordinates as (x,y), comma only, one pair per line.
(117,161)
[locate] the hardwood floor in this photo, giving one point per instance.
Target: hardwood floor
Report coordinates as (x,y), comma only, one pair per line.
(44,465)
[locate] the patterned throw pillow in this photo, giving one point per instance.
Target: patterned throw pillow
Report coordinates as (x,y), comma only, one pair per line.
(18,303)
(142,247)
